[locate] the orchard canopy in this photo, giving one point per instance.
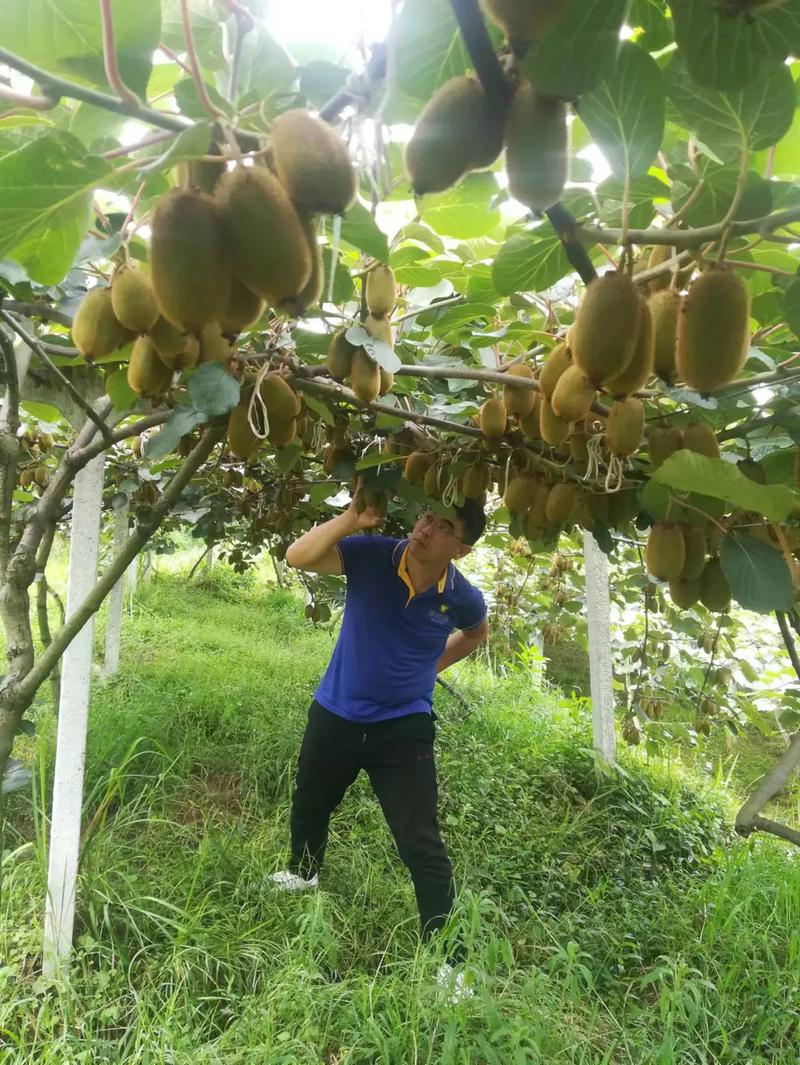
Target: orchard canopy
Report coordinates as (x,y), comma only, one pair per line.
(540,252)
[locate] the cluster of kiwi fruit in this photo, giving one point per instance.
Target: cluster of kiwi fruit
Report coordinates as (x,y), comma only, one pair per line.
(220,252)
(352,362)
(458,131)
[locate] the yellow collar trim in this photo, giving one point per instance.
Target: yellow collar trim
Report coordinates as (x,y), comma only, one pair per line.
(402,573)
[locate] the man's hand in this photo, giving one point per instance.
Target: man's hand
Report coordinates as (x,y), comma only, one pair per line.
(368,518)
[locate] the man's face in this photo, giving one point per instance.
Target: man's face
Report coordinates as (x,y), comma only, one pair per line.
(436,540)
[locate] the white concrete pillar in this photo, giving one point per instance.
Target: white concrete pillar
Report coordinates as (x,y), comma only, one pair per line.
(73,709)
(598,611)
(116,597)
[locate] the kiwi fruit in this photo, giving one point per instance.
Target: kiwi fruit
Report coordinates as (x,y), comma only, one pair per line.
(560,501)
(694,537)
(538,512)
(242,441)
(379,328)
(625,426)
(475,481)
(557,362)
(684,591)
(365,376)
(133,299)
(96,332)
(537,148)
(280,399)
(573,395)
(372,497)
(431,481)
(244,308)
(604,333)
(666,551)
(663,441)
(381,293)
(519,401)
(416,466)
(202,174)
(664,310)
(312,163)
(311,291)
(524,21)
(520,493)
(282,431)
(715,592)
(623,507)
(640,369)
(659,254)
(339,358)
(713,330)
(493,418)
(184,359)
(554,430)
(189,259)
(529,423)
(270,251)
(701,439)
(147,374)
(169,341)
(387,381)
(214,347)
(579,448)
(456,132)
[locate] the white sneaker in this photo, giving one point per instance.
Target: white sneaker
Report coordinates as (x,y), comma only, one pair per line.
(288,881)
(455,981)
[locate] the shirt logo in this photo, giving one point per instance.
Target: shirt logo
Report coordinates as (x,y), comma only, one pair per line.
(443,608)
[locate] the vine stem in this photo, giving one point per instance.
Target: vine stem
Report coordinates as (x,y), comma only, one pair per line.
(26,100)
(194,64)
(110,56)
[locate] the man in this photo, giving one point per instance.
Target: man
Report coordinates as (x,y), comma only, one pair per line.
(409,614)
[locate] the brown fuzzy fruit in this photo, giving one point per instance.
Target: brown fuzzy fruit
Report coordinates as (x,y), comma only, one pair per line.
(701,439)
(169,341)
(579,448)
(133,299)
(529,423)
(684,592)
(189,260)
(560,502)
(713,330)
(242,441)
(456,132)
(520,493)
(666,551)
(365,376)
(269,248)
(715,592)
(95,329)
(147,374)
(659,254)
(557,362)
(537,148)
(494,418)
(311,291)
(665,310)
(640,369)
(416,466)
(573,395)
(433,482)
(603,336)
(340,354)
(214,347)
(694,537)
(244,308)
(524,21)
(380,329)
(625,426)
(280,399)
(554,430)
(475,481)
(381,294)
(282,432)
(185,359)
(663,442)
(387,381)
(312,163)
(519,401)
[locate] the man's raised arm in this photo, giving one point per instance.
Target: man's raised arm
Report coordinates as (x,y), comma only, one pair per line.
(316,550)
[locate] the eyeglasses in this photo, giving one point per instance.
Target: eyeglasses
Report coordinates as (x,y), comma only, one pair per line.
(441,525)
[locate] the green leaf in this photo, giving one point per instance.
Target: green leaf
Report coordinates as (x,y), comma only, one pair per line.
(65,37)
(728,122)
(625,115)
(726,48)
(758,575)
(180,422)
(190,104)
(45,200)
(687,471)
(376,349)
(320,80)
(425,50)
(422,234)
(43,411)
(119,391)
(464,211)
(656,30)
(265,67)
(361,230)
(791,307)
(716,196)
(530,262)
(322,409)
(377,458)
(287,456)
(194,141)
(580,51)
(212,390)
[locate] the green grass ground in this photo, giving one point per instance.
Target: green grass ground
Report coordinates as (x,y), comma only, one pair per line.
(610,918)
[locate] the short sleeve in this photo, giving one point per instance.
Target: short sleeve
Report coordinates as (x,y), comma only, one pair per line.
(470,607)
(363,555)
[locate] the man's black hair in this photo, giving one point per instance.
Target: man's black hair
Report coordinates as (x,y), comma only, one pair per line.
(472,519)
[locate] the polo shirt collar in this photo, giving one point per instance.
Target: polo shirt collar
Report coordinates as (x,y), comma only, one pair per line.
(403,574)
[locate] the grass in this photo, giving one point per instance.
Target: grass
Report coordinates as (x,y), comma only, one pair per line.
(609,917)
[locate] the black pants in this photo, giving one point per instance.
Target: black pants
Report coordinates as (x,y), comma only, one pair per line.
(398,757)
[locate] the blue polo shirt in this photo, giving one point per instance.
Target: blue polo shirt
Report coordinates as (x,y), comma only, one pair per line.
(384,662)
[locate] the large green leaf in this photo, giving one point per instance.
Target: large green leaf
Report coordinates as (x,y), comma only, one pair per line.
(625,114)
(464,211)
(687,471)
(758,575)
(212,390)
(361,230)
(180,422)
(716,195)
(791,307)
(580,51)
(45,199)
(265,68)
(725,45)
(728,122)
(65,36)
(530,262)
(425,49)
